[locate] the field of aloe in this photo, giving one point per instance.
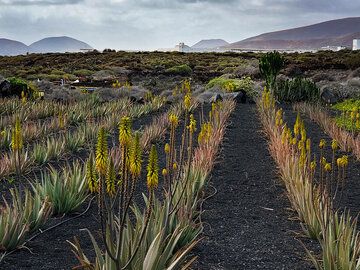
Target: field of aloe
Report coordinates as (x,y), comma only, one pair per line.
(182,184)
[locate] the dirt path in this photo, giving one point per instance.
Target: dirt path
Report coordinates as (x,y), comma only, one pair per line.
(247,225)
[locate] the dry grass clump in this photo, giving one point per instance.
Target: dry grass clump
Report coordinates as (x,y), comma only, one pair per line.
(348,141)
(310,196)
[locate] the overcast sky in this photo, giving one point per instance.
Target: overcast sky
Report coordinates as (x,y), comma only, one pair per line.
(152,24)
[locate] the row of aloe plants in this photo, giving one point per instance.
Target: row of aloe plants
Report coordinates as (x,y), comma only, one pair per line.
(83,112)
(161,235)
(312,196)
(40,110)
(57,192)
(348,141)
(20,160)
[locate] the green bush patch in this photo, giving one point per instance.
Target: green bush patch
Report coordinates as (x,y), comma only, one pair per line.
(296,90)
(179,70)
(232,85)
(347,105)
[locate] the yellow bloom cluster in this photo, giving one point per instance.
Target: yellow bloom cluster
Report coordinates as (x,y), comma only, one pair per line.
(267,100)
(174,120)
(135,156)
(91,176)
(153,169)
(110,179)
(279,118)
(125,131)
(187,101)
(16,136)
(205,133)
(192,124)
(322,144)
(343,161)
(102,152)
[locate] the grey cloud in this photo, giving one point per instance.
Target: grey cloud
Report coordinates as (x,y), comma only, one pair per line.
(38,2)
(152,24)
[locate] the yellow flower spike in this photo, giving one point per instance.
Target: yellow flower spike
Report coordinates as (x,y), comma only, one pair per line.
(125,131)
(164,172)
(334,144)
(16,136)
(300,145)
(327,167)
(297,125)
(339,162)
(152,169)
(313,165)
(213,106)
(308,145)
(294,141)
(91,175)
(23,97)
(110,179)
(174,120)
(303,132)
(102,152)
(135,157)
(187,101)
(167,148)
(278,118)
(192,124)
(175,166)
(323,161)
(322,144)
(352,115)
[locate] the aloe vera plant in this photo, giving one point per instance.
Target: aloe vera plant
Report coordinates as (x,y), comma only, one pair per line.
(26,213)
(66,190)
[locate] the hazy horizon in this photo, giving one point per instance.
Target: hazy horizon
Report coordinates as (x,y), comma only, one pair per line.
(149,25)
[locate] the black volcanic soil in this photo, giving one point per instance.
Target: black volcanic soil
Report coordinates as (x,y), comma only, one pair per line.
(51,250)
(247,224)
(247,221)
(351,194)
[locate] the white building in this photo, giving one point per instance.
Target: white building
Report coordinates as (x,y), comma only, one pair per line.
(182,47)
(356,44)
(333,48)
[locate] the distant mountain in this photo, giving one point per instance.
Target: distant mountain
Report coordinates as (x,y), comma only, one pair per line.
(59,44)
(12,47)
(330,33)
(210,44)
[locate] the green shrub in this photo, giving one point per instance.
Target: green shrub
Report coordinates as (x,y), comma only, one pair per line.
(270,65)
(296,90)
(232,85)
(83,72)
(18,86)
(347,105)
(179,70)
(347,123)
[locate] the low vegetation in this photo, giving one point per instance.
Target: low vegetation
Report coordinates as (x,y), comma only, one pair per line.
(231,85)
(296,90)
(183,70)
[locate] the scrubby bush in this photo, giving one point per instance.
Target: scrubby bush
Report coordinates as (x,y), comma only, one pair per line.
(83,72)
(270,65)
(232,85)
(347,105)
(296,90)
(19,87)
(179,70)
